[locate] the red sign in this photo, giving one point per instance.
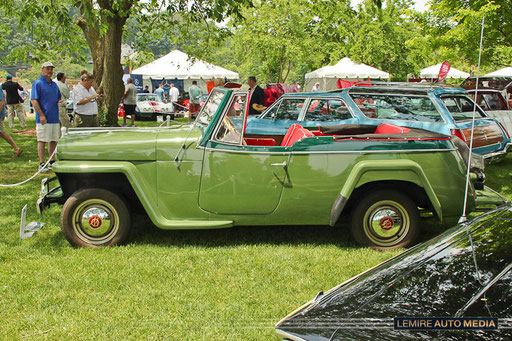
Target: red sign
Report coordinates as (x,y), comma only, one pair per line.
(443,72)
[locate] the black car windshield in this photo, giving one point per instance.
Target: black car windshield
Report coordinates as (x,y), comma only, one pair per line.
(397,107)
(148,97)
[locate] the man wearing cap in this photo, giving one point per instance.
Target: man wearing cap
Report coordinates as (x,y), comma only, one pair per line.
(45,100)
(14,101)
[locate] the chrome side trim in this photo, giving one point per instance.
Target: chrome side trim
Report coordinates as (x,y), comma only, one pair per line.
(290,151)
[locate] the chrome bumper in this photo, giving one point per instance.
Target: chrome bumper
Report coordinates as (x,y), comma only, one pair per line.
(499,154)
(47,195)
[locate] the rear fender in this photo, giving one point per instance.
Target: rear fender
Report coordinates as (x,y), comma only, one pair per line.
(389,170)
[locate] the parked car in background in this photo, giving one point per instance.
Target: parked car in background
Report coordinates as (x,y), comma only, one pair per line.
(494,105)
(212,174)
(149,106)
(502,84)
(445,110)
(465,272)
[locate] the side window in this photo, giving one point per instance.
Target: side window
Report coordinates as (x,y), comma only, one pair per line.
(287,109)
(461,107)
(231,127)
(327,110)
(397,107)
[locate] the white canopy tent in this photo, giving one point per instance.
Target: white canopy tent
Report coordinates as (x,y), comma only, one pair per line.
(433,72)
(505,72)
(179,65)
(345,69)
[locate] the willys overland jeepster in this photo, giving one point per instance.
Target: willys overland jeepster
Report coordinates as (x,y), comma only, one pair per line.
(213,175)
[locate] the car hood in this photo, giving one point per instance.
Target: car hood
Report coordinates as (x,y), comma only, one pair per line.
(123,144)
(440,278)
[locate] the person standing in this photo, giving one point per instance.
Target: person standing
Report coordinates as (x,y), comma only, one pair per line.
(64,95)
(257,101)
(129,101)
(160,91)
(194,93)
(316,87)
(45,100)
(146,90)
(174,95)
(14,101)
(270,95)
(3,134)
(85,102)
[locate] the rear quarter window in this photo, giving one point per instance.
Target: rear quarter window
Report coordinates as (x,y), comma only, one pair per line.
(461,107)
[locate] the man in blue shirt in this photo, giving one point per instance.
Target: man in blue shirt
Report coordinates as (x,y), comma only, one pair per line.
(160,91)
(45,100)
(3,134)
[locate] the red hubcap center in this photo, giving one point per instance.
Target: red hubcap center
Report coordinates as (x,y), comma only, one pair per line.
(386,223)
(95,222)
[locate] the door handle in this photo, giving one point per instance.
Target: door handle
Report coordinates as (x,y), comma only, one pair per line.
(282,164)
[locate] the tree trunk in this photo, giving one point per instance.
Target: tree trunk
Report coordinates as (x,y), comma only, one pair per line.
(112,79)
(106,55)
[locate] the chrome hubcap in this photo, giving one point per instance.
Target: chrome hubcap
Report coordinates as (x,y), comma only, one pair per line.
(386,223)
(95,221)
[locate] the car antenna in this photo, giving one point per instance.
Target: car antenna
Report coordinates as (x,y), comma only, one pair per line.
(463,219)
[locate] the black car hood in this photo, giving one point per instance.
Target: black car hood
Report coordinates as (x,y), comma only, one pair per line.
(440,278)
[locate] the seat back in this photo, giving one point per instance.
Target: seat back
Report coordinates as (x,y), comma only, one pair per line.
(294,133)
(389,128)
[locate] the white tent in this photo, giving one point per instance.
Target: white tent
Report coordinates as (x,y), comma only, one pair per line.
(179,65)
(505,72)
(345,69)
(433,72)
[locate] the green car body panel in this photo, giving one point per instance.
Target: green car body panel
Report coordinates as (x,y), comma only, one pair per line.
(185,179)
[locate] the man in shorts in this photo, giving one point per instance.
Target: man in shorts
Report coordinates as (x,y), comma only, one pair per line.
(45,100)
(3,134)
(129,101)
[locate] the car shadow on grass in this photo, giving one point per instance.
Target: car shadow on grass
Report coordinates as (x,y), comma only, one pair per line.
(144,232)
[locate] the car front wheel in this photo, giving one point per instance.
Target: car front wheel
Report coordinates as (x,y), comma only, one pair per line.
(95,217)
(385,220)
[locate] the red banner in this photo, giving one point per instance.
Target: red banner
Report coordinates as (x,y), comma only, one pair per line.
(443,72)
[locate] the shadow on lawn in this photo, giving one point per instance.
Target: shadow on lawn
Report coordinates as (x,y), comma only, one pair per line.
(144,232)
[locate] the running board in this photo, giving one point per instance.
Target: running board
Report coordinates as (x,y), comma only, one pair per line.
(26,231)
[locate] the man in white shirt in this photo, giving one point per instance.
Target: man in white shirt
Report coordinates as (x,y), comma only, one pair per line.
(85,102)
(174,94)
(316,87)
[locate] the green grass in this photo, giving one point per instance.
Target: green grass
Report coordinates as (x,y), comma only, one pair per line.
(231,284)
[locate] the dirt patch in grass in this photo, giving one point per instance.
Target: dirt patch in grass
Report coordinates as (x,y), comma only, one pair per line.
(26,132)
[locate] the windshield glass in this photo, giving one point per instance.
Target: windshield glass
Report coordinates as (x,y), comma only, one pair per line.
(210,107)
(461,107)
(397,107)
(147,97)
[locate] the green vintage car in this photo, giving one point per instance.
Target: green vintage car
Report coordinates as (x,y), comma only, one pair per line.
(212,175)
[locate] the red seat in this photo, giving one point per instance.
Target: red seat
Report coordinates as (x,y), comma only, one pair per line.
(294,133)
(388,128)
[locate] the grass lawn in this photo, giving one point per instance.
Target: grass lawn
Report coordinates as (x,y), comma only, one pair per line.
(231,284)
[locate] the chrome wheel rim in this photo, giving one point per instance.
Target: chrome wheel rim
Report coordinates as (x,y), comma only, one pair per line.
(95,221)
(386,223)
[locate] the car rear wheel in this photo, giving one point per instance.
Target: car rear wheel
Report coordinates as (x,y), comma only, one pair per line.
(95,217)
(385,220)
